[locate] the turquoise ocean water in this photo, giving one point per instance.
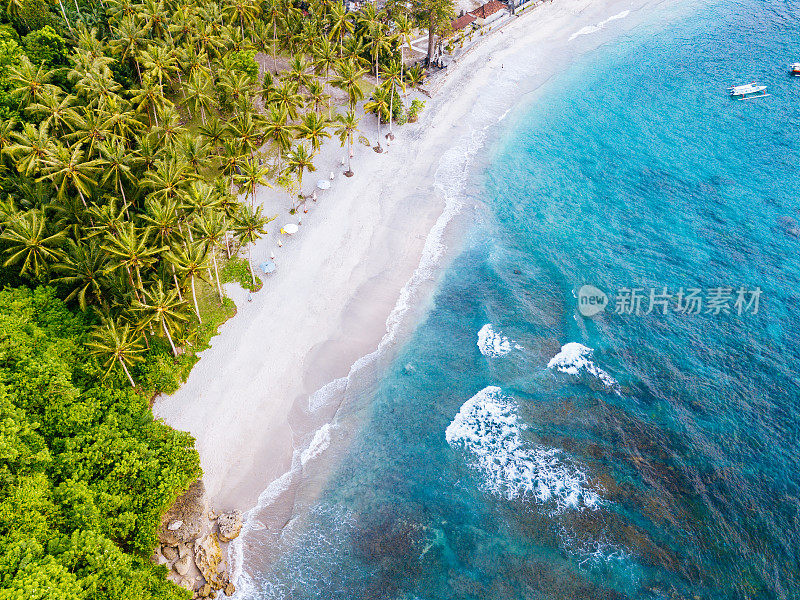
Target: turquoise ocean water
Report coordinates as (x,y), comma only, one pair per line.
(620,456)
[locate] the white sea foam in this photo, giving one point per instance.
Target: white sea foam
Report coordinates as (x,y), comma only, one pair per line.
(488,428)
(589,29)
(575,358)
(322,439)
(492,343)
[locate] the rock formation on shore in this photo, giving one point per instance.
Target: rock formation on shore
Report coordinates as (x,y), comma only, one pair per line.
(190,536)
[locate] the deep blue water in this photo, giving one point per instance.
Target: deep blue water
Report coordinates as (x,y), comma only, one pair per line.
(667,464)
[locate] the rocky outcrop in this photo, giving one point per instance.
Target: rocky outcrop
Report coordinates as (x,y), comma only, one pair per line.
(190,536)
(169,552)
(208,558)
(230,525)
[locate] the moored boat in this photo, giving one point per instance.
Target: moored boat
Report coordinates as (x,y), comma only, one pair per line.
(794,69)
(748,91)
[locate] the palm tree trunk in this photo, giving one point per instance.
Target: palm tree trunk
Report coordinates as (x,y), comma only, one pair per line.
(169,337)
(216,272)
(64,14)
(250,262)
(175,279)
(194,297)
(124,368)
(350,153)
(391,110)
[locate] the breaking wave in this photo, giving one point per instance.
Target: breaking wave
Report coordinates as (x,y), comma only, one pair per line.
(488,428)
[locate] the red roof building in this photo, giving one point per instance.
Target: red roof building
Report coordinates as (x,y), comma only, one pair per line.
(487,11)
(463,21)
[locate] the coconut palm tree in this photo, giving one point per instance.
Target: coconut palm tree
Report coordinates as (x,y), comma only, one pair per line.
(164,307)
(287,97)
(199,94)
(53,107)
(278,128)
(131,249)
(251,173)
(212,231)
(393,79)
(68,170)
(190,260)
(272,10)
(314,128)
(340,24)
(29,149)
(117,346)
(28,82)
(348,125)
(248,226)
(298,161)
(348,79)
(83,269)
(317,98)
(30,246)
(379,104)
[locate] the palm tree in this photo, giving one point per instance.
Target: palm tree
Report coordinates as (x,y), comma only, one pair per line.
(191,260)
(67,169)
(149,98)
(83,268)
(325,57)
(199,94)
(273,12)
(244,129)
(168,178)
(131,250)
(340,23)
(54,108)
(251,174)
(379,104)
(249,225)
(29,244)
(29,149)
(393,79)
(126,41)
(164,307)
(278,129)
(214,132)
(286,97)
(211,230)
(314,128)
(114,160)
(298,161)
(317,98)
(118,345)
(348,125)
(29,82)
(348,79)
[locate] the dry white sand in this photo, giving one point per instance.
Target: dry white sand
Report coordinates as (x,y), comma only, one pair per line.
(339,278)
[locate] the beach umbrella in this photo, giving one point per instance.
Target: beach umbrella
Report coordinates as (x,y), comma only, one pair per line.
(323,184)
(267,266)
(289,228)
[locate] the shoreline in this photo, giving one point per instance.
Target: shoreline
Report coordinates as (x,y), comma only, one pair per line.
(339,280)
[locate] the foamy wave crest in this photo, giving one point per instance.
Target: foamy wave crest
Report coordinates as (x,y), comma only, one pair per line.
(589,29)
(492,343)
(488,428)
(574,358)
(322,439)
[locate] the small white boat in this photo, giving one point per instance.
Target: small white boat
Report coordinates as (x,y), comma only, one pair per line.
(748,91)
(794,69)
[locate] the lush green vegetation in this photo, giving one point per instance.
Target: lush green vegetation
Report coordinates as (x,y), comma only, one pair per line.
(86,472)
(133,137)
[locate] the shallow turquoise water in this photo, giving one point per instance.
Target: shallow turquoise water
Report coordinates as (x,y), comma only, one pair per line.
(665,465)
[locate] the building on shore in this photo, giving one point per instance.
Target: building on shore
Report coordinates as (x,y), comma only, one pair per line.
(488,13)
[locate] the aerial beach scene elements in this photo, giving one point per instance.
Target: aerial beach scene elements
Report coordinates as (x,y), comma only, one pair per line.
(400,300)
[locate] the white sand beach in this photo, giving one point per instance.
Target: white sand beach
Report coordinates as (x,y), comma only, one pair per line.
(339,278)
